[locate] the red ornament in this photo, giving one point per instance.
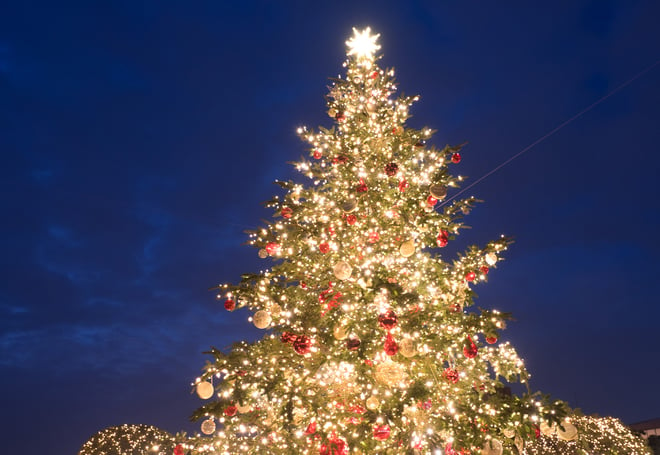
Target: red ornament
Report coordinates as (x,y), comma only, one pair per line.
(230,305)
(351,219)
(491,340)
(317,154)
(484,270)
(443,239)
(353,344)
(374,237)
(390,347)
(340,159)
(288,337)
(302,345)
(272,248)
(470,349)
(287,212)
(382,432)
(331,231)
(419,144)
(178,450)
(334,446)
(456,158)
(340,117)
(537,431)
(431,201)
(450,375)
(470,276)
(455,307)
(362,187)
(391,169)
(230,411)
(311,428)
(324,247)
(374,75)
(403,185)
(388,320)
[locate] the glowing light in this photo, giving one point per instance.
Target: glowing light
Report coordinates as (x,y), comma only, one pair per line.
(363,44)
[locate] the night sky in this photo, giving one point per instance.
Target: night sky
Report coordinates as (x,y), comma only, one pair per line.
(139,140)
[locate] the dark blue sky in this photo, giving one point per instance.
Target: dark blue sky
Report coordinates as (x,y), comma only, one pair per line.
(140,138)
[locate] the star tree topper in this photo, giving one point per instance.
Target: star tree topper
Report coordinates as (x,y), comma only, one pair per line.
(363,44)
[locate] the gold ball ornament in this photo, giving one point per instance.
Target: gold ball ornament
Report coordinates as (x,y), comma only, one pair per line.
(407,248)
(569,433)
(332,113)
(372,403)
(340,332)
(263,254)
(349,205)
(243,409)
(491,258)
(547,430)
(208,426)
(275,310)
(261,319)
(509,433)
(492,447)
(438,191)
(204,390)
(342,270)
(390,373)
(407,347)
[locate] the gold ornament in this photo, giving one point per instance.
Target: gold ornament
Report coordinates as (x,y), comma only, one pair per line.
(492,447)
(546,429)
(332,112)
(261,319)
(438,191)
(349,205)
(509,432)
(407,347)
(275,310)
(208,426)
(263,254)
(339,332)
(342,270)
(407,248)
(372,403)
(569,433)
(205,390)
(390,373)
(243,409)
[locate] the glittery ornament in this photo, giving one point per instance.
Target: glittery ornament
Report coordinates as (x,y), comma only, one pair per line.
(353,344)
(372,403)
(569,433)
(288,337)
(492,447)
(263,254)
(208,426)
(231,410)
(272,248)
(261,319)
(451,375)
(407,248)
(407,347)
(230,305)
(342,270)
(390,373)
(382,432)
(491,259)
(303,344)
(443,239)
(391,169)
(387,320)
(470,276)
(438,191)
(390,346)
(456,158)
(470,349)
(340,332)
(204,390)
(351,219)
(287,212)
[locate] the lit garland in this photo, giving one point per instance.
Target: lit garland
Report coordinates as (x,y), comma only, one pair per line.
(130,440)
(373,345)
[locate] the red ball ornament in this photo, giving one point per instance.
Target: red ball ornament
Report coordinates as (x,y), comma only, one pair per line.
(317,154)
(287,212)
(390,347)
(362,187)
(178,450)
(537,431)
(334,446)
(450,375)
(388,320)
(471,276)
(230,411)
(288,337)
(431,201)
(456,158)
(382,432)
(391,169)
(374,75)
(324,247)
(470,349)
(403,185)
(484,270)
(353,344)
(351,219)
(373,237)
(272,248)
(340,117)
(230,305)
(311,428)
(302,344)
(443,239)
(491,340)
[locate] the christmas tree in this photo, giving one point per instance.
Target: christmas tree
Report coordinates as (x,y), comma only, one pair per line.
(373,343)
